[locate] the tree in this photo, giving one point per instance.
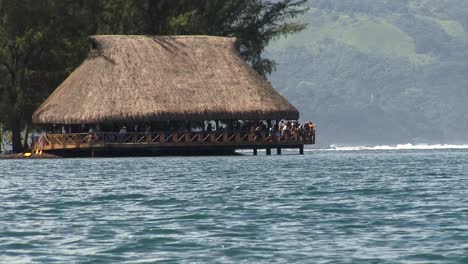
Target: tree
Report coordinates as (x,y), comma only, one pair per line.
(38,41)
(41,42)
(253,22)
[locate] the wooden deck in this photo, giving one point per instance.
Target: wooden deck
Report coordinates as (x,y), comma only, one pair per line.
(233,140)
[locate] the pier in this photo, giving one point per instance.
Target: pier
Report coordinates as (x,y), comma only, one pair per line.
(106,141)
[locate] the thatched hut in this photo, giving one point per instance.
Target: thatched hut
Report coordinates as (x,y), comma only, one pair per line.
(141,78)
(144,79)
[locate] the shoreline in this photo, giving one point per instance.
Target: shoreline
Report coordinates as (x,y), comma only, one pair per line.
(22,157)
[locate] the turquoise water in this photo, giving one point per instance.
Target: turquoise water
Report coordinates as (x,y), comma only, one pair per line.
(323,207)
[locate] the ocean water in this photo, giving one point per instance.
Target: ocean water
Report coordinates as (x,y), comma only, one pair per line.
(328,206)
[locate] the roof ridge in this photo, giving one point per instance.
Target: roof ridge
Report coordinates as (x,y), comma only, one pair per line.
(161,36)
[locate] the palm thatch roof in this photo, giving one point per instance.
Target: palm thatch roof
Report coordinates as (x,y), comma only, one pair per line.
(143,78)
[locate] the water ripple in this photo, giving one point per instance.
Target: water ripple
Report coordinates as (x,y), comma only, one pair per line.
(324,207)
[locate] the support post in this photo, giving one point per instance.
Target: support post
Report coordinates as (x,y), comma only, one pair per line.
(278,151)
(301,150)
(255,153)
(268,151)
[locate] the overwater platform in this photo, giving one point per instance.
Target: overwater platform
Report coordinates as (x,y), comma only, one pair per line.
(172,142)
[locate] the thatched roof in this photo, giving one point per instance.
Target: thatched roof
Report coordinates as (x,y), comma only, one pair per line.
(136,78)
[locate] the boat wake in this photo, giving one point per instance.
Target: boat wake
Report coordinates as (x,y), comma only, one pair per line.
(398,147)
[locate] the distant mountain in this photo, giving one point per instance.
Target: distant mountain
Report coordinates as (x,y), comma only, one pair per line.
(379,71)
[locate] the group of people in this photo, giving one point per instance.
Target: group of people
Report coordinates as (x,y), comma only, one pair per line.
(285,129)
(272,128)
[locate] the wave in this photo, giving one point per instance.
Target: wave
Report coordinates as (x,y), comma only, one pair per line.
(398,147)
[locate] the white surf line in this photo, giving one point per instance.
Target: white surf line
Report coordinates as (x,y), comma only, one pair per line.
(397,147)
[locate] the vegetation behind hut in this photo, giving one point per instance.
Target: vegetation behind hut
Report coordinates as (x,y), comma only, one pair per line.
(41,42)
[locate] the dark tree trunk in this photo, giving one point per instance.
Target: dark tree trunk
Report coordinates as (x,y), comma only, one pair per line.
(1,137)
(16,137)
(25,140)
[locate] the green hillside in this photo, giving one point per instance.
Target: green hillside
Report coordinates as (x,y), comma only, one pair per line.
(379,71)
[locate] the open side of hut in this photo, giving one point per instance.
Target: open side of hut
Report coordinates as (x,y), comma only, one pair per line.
(141,78)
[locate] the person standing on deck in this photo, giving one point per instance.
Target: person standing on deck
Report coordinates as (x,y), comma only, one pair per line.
(91,135)
(285,131)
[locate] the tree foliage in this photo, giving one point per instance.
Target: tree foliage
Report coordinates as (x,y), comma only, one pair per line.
(254,22)
(43,41)
(39,42)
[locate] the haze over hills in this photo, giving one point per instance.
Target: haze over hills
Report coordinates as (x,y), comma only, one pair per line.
(379,71)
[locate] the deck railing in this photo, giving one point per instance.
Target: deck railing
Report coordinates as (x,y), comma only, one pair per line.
(109,139)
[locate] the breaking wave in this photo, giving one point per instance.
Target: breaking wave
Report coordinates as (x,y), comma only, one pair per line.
(399,147)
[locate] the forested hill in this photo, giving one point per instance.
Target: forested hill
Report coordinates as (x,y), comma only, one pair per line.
(379,71)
